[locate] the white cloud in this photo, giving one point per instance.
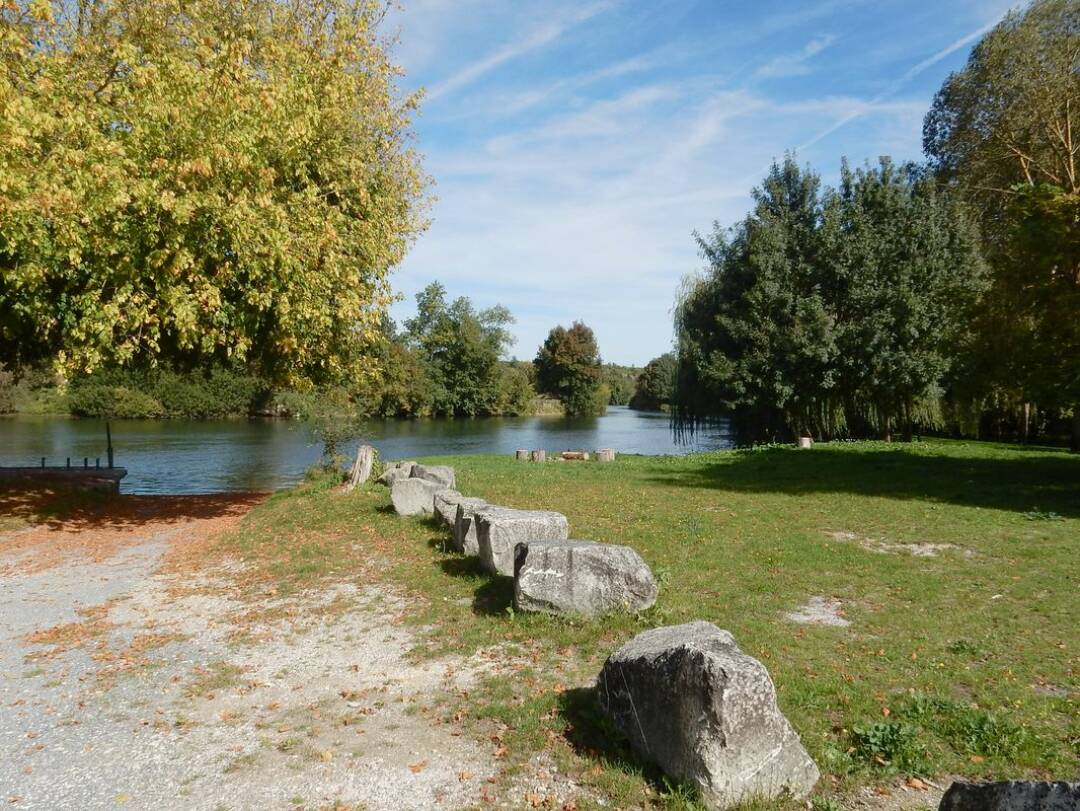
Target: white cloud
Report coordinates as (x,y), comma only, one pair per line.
(794,64)
(534,40)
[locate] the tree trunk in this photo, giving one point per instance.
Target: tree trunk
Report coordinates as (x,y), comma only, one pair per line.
(1076,428)
(1025,424)
(361,469)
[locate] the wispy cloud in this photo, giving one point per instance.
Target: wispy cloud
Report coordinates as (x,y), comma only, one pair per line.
(896,85)
(536,39)
(795,64)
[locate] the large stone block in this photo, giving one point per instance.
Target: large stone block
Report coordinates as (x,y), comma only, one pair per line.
(440,474)
(581,577)
(694,704)
(465,525)
(1012,795)
(414,496)
(395,471)
(499,530)
(446,503)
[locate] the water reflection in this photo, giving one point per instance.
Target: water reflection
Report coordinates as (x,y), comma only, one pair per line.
(170,456)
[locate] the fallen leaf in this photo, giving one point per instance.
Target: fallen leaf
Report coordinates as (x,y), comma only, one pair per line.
(464,775)
(418,767)
(326,756)
(917,784)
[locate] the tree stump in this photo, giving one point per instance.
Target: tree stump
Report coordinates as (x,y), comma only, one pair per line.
(522,456)
(361,469)
(806,443)
(539,456)
(605,455)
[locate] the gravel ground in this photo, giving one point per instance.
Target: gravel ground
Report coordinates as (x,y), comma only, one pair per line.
(159,706)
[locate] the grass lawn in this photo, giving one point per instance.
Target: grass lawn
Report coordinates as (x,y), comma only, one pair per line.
(963,662)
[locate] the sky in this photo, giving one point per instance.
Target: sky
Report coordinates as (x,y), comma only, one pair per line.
(577,145)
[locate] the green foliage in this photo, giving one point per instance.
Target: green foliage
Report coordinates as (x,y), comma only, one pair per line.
(829,313)
(516,392)
(656,384)
(1004,132)
(201,181)
(620,381)
(568,367)
(890,745)
(7,390)
(104,401)
(461,349)
(163,392)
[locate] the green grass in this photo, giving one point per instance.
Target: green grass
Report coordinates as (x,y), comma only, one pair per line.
(963,663)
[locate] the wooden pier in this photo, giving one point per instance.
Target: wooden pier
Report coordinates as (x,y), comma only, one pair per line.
(96,478)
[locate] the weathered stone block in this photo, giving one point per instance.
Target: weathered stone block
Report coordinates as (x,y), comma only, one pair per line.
(414,496)
(446,504)
(581,577)
(395,471)
(465,525)
(440,474)
(693,703)
(1012,795)
(499,530)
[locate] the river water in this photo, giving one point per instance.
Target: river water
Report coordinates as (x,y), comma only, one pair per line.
(174,456)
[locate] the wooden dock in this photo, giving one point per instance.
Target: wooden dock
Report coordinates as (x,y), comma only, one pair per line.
(103,478)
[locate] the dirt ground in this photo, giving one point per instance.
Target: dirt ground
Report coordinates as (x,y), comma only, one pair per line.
(127,681)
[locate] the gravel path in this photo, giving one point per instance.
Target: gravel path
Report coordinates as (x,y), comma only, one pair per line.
(160,707)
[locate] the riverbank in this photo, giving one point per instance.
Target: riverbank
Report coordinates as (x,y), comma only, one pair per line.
(915,605)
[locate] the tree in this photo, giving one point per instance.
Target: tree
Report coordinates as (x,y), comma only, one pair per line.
(462,349)
(620,380)
(568,367)
(828,313)
(755,337)
(905,272)
(656,384)
(1005,133)
(200,180)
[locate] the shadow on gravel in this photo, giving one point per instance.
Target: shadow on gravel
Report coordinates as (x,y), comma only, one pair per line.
(74,510)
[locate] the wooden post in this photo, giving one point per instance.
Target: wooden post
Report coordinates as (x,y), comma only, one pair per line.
(361,469)
(605,455)
(108,443)
(522,456)
(539,456)
(42,462)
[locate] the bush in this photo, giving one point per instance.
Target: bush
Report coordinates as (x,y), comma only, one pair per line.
(105,401)
(7,391)
(165,393)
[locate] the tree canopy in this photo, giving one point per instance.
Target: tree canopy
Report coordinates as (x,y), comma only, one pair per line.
(656,384)
(568,367)
(461,349)
(828,313)
(1004,132)
(200,180)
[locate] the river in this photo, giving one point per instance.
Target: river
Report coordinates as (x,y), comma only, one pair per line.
(176,457)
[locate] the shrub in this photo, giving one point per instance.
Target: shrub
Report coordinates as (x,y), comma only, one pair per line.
(105,401)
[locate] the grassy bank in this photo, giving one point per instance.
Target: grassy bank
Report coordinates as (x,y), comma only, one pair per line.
(955,565)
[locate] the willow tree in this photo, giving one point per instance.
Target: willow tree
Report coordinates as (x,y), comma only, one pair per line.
(200,181)
(1005,132)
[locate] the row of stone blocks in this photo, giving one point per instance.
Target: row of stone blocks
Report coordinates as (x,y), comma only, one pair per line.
(685,696)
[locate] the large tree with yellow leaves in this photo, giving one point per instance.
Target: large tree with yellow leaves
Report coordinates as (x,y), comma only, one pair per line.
(200,181)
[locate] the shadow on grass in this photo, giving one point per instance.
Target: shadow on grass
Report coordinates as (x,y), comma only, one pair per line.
(593,737)
(493,595)
(1044,482)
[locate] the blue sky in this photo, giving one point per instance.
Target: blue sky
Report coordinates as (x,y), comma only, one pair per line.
(576,145)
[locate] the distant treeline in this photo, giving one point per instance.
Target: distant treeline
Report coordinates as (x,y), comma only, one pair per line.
(941,297)
(450,360)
